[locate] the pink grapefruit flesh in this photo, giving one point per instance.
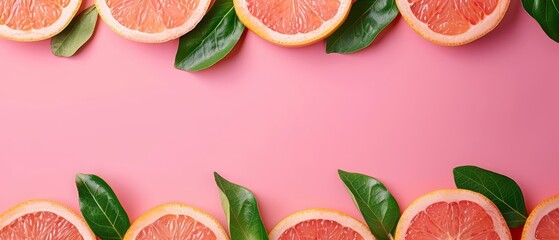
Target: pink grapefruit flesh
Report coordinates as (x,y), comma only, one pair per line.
(176,227)
(320,229)
(292,17)
(455,220)
(40,225)
(449,17)
(548,228)
(151,16)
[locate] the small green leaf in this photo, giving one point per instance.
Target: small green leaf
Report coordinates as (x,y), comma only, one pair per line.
(100,207)
(365,21)
(546,13)
(76,34)
(378,206)
(500,189)
(241,209)
(212,39)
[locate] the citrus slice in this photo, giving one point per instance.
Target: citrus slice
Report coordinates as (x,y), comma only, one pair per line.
(450,22)
(176,221)
(543,222)
(43,220)
(152,21)
(35,20)
(452,214)
(320,224)
(293,22)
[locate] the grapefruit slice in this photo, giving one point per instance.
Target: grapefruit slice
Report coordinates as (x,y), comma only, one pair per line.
(152,21)
(43,220)
(452,214)
(320,224)
(176,221)
(293,22)
(543,222)
(35,20)
(450,22)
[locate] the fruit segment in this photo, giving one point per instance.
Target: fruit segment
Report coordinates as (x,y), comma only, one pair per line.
(455,220)
(294,22)
(316,224)
(40,225)
(292,17)
(176,221)
(451,17)
(543,222)
(43,220)
(452,214)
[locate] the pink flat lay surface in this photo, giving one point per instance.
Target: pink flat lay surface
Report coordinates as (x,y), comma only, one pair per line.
(279,121)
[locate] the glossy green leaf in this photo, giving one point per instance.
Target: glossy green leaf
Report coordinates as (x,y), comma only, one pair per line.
(366,20)
(241,209)
(546,13)
(76,34)
(212,39)
(500,189)
(101,209)
(378,207)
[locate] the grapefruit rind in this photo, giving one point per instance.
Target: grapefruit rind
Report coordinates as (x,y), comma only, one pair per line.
(483,27)
(324,214)
(533,220)
(47,206)
(160,37)
(452,195)
(288,40)
(176,209)
(34,35)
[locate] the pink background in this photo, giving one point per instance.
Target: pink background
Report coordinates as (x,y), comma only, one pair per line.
(279,121)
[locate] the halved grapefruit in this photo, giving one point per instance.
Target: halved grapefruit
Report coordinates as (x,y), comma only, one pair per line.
(43,220)
(176,221)
(35,20)
(453,22)
(293,22)
(320,224)
(152,21)
(543,222)
(452,214)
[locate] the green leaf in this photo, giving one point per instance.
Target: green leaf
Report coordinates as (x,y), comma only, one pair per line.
(546,13)
(500,189)
(76,34)
(378,206)
(241,209)
(212,39)
(100,207)
(365,21)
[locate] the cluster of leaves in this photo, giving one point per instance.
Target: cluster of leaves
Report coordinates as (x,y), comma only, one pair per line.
(109,221)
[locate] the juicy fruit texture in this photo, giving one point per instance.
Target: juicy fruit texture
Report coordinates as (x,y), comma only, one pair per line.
(176,227)
(34,20)
(452,22)
(452,214)
(452,17)
(454,220)
(151,16)
(548,228)
(292,17)
(43,220)
(315,224)
(320,229)
(543,222)
(40,225)
(293,22)
(176,221)
(27,15)
(152,21)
